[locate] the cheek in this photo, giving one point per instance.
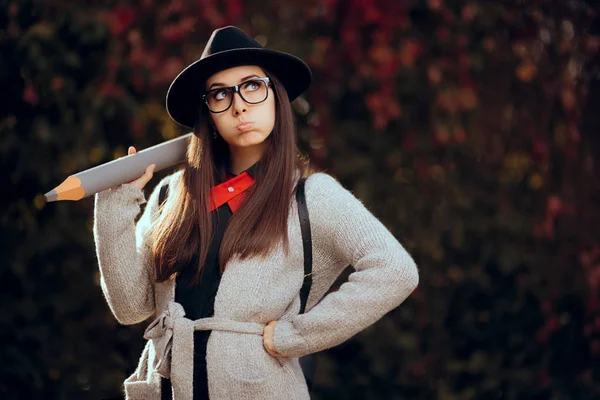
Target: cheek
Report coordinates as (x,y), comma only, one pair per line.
(218,121)
(269,116)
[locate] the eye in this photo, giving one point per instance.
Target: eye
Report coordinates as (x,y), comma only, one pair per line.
(252,85)
(219,94)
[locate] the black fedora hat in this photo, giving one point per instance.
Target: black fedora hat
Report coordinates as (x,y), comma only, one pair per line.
(229,47)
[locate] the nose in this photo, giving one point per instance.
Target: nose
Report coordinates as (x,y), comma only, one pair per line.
(239,105)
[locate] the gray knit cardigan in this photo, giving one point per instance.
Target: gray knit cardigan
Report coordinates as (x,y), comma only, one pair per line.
(252,292)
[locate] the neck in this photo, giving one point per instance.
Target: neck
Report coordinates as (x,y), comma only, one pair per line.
(242,158)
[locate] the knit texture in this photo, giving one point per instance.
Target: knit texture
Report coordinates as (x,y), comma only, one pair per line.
(256,290)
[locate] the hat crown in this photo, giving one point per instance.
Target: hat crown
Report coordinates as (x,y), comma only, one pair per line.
(228,38)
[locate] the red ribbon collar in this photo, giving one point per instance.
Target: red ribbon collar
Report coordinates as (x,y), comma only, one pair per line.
(231,192)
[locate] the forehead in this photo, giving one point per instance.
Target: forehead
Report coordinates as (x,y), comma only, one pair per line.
(233,76)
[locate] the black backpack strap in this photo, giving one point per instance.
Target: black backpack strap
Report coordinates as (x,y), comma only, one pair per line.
(162,195)
(306,243)
(307,362)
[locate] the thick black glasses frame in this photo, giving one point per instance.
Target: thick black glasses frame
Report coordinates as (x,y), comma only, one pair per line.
(236,89)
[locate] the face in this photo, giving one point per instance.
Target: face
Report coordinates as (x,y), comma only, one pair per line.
(258,119)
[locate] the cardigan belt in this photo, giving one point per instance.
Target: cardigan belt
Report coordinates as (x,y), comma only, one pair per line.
(171,333)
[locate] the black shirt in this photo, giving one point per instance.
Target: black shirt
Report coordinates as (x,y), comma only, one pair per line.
(198,302)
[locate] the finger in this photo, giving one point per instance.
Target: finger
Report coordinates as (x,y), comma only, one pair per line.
(267,330)
(273,352)
(148,174)
(131,150)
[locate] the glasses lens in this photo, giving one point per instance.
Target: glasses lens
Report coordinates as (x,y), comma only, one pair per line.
(218,100)
(254,91)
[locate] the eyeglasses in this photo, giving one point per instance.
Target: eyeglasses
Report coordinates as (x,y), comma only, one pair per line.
(252,91)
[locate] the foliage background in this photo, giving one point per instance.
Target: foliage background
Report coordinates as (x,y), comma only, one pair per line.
(468,127)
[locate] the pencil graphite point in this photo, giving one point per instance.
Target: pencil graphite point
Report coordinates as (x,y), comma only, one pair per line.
(51,196)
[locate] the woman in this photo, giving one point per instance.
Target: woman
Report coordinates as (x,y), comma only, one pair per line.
(220,263)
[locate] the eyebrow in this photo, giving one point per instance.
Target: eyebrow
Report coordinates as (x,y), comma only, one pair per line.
(241,80)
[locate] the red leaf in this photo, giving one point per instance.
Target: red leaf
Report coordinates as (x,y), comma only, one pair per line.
(30,94)
(122,18)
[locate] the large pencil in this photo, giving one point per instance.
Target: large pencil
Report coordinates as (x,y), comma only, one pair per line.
(121,170)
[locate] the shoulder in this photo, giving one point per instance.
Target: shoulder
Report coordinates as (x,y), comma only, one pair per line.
(322,187)
(327,199)
(163,187)
(171,179)
(153,207)
(319,181)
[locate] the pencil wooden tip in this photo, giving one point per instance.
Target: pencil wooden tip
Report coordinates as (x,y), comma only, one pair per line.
(70,189)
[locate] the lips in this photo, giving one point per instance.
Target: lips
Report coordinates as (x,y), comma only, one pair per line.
(245,126)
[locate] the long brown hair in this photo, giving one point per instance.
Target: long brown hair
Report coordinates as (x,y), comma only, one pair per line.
(183,232)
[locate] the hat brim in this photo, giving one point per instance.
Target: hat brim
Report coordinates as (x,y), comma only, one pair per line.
(185,93)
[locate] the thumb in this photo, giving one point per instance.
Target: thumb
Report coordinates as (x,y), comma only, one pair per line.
(144,179)
(149,172)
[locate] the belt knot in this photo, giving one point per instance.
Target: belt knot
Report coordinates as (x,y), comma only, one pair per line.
(160,332)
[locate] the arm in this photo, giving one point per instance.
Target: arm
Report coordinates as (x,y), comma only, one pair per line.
(385,274)
(124,251)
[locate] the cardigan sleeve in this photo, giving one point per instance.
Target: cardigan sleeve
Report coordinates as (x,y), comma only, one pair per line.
(385,274)
(124,251)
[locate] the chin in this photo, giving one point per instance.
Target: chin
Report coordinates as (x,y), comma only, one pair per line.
(250,138)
